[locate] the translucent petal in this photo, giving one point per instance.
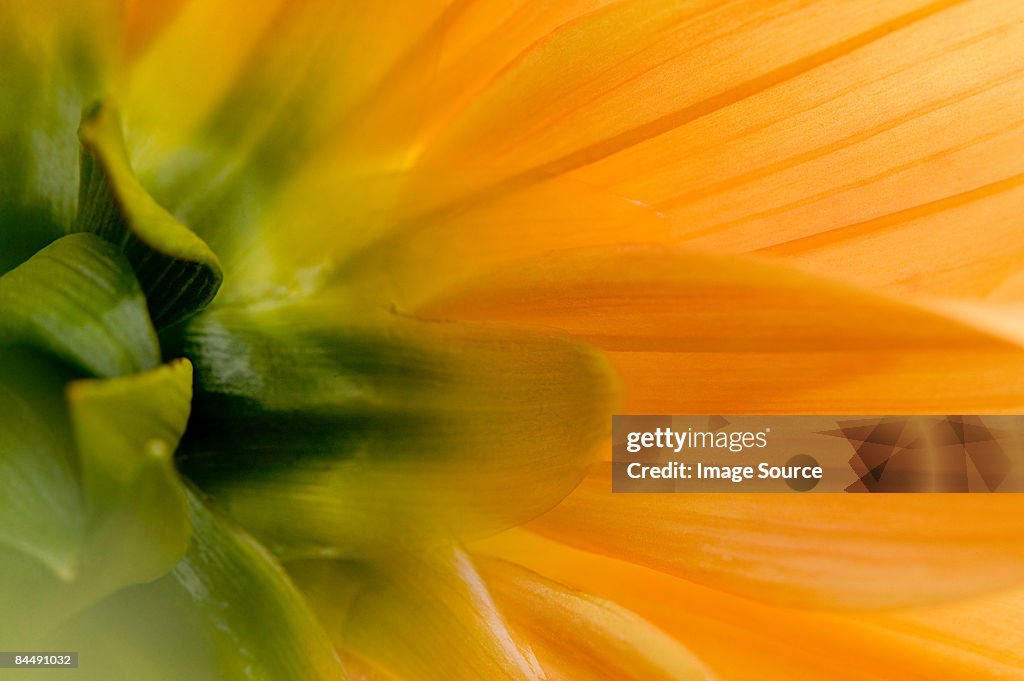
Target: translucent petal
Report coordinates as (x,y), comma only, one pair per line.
(320,433)
(440,619)
(580,637)
(691,332)
(741,639)
(296,81)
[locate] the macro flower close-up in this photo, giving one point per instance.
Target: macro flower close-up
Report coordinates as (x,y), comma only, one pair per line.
(314,316)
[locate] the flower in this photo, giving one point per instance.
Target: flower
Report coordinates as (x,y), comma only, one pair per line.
(307,307)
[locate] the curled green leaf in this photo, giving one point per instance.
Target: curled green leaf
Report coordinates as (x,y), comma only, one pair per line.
(177,270)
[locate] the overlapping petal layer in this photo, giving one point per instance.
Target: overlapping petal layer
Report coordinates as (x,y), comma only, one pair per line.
(579,637)
(703,110)
(441,620)
(296,82)
(714,329)
(653,66)
(698,333)
(826,550)
(742,639)
(404,267)
(869,167)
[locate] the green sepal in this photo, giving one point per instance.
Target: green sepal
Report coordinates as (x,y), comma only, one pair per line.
(227,612)
(79,300)
(40,512)
(89,486)
(126,430)
(178,272)
(55,58)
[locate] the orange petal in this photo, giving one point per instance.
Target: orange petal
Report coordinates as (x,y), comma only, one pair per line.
(648,298)
(826,382)
(740,639)
(867,165)
(145,19)
(634,70)
(483,38)
(697,333)
(578,637)
(770,125)
(825,550)
(982,628)
(925,249)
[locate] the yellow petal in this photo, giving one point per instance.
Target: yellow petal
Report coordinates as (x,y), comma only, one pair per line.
(428,617)
(825,550)
(740,639)
(432,248)
(292,76)
(297,82)
(579,637)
